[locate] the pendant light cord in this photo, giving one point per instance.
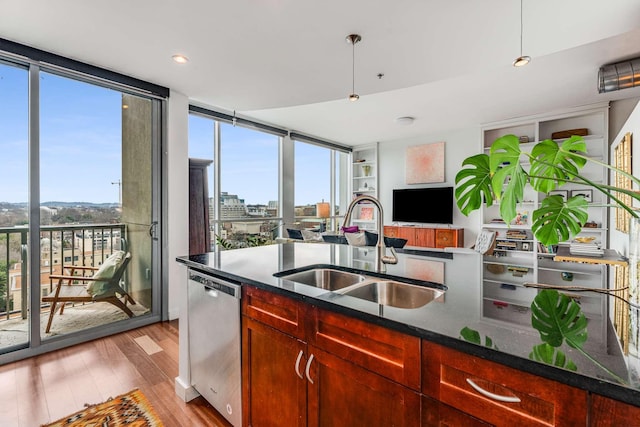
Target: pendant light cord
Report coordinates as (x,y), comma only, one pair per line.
(521,27)
(353,67)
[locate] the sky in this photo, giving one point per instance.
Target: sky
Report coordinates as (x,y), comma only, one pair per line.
(80,147)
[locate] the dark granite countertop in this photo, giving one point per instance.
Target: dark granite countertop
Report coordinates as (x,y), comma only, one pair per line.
(439,321)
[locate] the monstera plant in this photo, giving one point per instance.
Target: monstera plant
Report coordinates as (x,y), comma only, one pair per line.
(500,177)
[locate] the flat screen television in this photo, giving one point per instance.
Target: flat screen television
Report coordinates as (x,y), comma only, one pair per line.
(423,205)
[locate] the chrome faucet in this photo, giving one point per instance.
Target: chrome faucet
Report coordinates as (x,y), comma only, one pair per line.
(381,257)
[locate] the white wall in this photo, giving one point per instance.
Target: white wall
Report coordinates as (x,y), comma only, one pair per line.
(177,230)
(459,144)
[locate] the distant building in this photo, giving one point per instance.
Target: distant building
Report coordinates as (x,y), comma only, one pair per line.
(231,206)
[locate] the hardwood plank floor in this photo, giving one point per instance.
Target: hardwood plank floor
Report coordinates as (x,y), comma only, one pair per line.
(50,386)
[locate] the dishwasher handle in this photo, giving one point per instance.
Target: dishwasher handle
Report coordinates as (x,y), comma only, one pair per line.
(217,284)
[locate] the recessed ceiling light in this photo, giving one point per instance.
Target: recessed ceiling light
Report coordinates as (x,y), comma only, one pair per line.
(180,59)
(405,121)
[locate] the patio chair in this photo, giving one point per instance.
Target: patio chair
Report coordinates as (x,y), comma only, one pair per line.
(102,286)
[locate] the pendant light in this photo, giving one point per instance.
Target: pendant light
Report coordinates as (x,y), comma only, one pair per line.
(353,39)
(521,60)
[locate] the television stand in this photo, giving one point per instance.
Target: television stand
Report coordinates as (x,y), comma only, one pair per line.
(427,236)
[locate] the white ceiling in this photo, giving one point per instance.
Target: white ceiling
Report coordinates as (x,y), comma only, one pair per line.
(285,62)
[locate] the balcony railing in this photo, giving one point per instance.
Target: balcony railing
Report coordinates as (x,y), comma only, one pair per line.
(83,245)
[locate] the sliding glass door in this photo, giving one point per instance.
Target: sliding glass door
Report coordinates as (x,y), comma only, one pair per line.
(80,197)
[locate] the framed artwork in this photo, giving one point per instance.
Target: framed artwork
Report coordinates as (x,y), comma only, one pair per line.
(563,193)
(366,213)
(586,193)
(526,246)
(425,163)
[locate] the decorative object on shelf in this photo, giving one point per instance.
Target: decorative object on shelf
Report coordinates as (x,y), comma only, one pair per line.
(425,163)
(590,224)
(483,177)
(496,268)
(587,194)
(366,170)
(522,218)
(366,213)
(569,133)
(518,271)
(622,160)
(526,246)
(588,239)
(567,276)
(485,242)
(562,193)
(523,139)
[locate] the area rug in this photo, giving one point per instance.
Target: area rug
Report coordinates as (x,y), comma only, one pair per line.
(129,409)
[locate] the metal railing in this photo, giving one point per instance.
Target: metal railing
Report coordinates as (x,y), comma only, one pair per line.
(83,245)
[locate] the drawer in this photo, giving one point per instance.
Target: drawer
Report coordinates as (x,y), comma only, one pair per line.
(605,412)
(495,393)
(278,311)
(389,353)
(390,231)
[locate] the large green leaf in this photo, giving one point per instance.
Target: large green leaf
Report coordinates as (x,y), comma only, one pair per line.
(473,336)
(552,356)
(473,184)
(509,178)
(553,164)
(558,318)
(556,220)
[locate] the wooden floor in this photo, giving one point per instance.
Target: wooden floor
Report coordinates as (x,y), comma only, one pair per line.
(48,387)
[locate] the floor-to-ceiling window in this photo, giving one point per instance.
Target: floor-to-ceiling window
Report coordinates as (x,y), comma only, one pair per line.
(81,186)
(320,185)
(261,181)
(14,192)
(243,180)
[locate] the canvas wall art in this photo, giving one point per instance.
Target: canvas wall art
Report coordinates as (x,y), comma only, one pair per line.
(425,163)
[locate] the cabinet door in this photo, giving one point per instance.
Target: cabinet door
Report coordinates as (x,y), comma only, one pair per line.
(273,393)
(425,237)
(605,412)
(281,312)
(344,394)
(447,237)
(391,231)
(437,414)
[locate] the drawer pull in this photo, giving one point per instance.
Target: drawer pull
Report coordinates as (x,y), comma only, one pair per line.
(298,365)
(508,399)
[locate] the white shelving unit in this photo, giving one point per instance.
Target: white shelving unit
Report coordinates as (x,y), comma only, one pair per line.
(364,178)
(505,299)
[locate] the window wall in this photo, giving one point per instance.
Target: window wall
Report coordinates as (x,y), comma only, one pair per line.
(81,174)
(255,190)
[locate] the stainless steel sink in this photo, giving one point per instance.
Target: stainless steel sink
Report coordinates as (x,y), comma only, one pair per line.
(394,294)
(378,290)
(325,278)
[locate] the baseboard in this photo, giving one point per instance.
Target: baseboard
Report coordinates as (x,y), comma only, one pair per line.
(185,392)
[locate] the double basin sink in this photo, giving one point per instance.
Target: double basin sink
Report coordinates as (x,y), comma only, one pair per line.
(380,290)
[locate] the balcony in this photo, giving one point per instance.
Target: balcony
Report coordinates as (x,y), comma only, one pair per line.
(80,245)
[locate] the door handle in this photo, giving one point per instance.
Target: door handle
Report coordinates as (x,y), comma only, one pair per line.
(306,369)
(297,367)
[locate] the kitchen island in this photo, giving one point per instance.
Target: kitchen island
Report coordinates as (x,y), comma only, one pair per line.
(437,325)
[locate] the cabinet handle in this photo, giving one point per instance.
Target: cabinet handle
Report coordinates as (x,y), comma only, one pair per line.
(306,370)
(298,365)
(508,399)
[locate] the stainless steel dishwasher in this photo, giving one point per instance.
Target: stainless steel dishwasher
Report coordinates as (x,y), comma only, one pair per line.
(214,343)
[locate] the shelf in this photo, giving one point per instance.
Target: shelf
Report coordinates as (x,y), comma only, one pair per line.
(365,177)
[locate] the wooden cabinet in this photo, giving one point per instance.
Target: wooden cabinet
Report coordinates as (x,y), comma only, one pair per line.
(426,236)
(495,393)
(345,394)
(437,414)
(343,372)
(605,412)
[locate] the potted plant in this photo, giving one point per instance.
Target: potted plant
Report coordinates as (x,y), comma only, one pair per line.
(499,177)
